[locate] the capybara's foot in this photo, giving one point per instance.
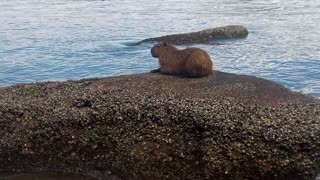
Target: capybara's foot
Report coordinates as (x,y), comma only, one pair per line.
(184,75)
(155,70)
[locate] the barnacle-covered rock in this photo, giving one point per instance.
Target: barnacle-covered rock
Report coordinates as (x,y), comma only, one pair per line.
(204,36)
(152,126)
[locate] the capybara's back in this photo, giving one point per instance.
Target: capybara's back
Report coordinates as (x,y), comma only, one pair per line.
(190,62)
(197,63)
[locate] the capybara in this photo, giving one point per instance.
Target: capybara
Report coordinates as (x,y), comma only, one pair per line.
(190,62)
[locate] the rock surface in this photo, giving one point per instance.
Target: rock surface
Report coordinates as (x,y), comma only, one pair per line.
(204,36)
(152,126)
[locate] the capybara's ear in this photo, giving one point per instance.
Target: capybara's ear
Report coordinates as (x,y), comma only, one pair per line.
(164,44)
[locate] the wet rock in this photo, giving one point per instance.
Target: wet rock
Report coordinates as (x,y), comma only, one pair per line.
(153,126)
(204,36)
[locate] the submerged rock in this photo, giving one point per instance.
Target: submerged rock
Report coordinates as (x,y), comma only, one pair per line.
(204,36)
(152,126)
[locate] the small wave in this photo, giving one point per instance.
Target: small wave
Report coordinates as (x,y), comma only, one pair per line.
(130,43)
(115,44)
(121,43)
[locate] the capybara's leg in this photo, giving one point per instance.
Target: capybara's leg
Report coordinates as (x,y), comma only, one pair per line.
(155,70)
(184,75)
(167,70)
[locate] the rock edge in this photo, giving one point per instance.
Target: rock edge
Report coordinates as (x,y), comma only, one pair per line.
(204,36)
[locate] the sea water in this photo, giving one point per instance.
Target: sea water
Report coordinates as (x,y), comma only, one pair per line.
(55,40)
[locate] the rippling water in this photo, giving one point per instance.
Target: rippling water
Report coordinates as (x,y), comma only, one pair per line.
(48,40)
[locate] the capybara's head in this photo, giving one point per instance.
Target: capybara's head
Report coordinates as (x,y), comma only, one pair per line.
(158,49)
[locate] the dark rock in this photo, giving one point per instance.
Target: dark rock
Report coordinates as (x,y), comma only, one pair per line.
(204,36)
(152,126)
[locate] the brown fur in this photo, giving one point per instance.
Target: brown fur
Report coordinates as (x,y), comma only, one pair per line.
(190,62)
